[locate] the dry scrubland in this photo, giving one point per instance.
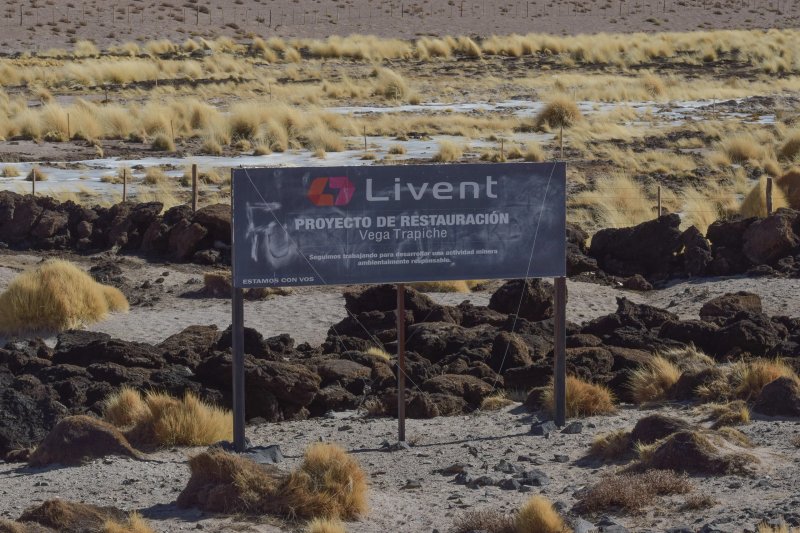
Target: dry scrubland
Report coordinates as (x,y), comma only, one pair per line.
(265,96)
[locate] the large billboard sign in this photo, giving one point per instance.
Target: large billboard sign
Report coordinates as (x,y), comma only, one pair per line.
(395,224)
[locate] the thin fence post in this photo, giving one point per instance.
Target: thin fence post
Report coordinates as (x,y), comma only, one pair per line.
(124,185)
(194,188)
(559,350)
(69,136)
(502,150)
(365,138)
(33,181)
(562,141)
(659,201)
(769,196)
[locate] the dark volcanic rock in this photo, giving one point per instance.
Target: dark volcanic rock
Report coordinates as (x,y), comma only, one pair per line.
(79,438)
(531,299)
(727,305)
(655,427)
(768,239)
(471,389)
(25,421)
(384,298)
(779,398)
(648,249)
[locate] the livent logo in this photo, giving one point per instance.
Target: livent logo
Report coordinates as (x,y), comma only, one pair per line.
(318,196)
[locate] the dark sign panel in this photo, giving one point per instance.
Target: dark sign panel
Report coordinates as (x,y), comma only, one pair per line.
(379,224)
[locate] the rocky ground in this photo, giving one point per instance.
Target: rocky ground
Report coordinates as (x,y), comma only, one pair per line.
(406,492)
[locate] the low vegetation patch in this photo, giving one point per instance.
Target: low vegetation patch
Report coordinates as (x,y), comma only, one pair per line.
(537,515)
(583,398)
(496,401)
(56,296)
(36,175)
(631,492)
(728,414)
(158,419)
(612,446)
(325,525)
(448,151)
(72,517)
(652,381)
(327,484)
(744,380)
(699,452)
(559,112)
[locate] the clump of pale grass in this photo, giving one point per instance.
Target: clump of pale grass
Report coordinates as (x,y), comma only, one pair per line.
(390,85)
(790,148)
(727,414)
(448,151)
(631,492)
(738,150)
(755,203)
(134,524)
(329,483)
(652,381)
(583,398)
(56,296)
(538,515)
(326,525)
(533,153)
(611,446)
(36,175)
(744,380)
(10,171)
(378,353)
(496,401)
(559,112)
(163,143)
(397,149)
(617,201)
(154,176)
(158,419)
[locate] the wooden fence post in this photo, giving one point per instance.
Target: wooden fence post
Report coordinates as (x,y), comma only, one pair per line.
(659,201)
(124,185)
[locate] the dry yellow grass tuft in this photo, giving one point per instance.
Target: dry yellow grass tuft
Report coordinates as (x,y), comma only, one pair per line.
(448,151)
(748,378)
(158,419)
(327,484)
(560,111)
(630,492)
(728,414)
(10,171)
(135,524)
(496,401)
(537,515)
(652,381)
(611,446)
(154,176)
(534,153)
(783,528)
(325,525)
(739,150)
(163,143)
(583,398)
(755,203)
(379,353)
(36,175)
(56,296)
(790,148)
(124,408)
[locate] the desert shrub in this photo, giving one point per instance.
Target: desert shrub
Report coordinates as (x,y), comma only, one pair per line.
(748,378)
(496,401)
(10,171)
(651,382)
(790,147)
(755,203)
(163,143)
(124,408)
(390,85)
(740,150)
(56,296)
(611,446)
(134,524)
(36,175)
(72,517)
(728,414)
(695,502)
(158,419)
(583,398)
(560,111)
(325,525)
(397,149)
(379,353)
(537,515)
(154,176)
(703,452)
(632,491)
(654,85)
(327,484)
(261,149)
(211,147)
(783,528)
(448,151)
(534,153)
(489,520)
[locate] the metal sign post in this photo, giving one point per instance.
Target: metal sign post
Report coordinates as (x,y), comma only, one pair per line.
(559,350)
(401,362)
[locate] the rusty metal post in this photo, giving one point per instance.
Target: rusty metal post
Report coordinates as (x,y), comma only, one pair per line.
(559,351)
(769,196)
(124,185)
(562,141)
(33,181)
(401,362)
(194,188)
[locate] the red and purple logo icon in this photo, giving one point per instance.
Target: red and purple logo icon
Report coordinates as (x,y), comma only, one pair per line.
(318,196)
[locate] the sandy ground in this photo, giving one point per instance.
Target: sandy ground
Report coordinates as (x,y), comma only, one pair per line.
(481,439)
(59,22)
